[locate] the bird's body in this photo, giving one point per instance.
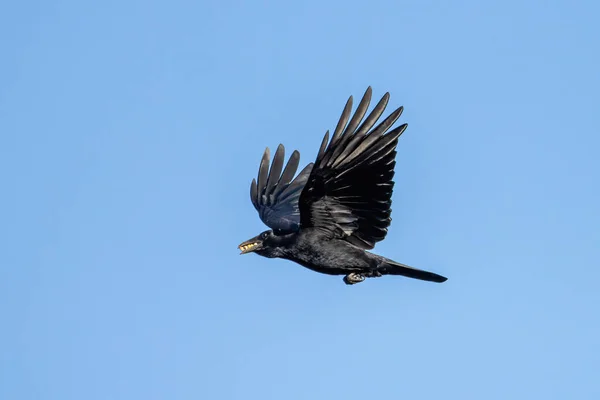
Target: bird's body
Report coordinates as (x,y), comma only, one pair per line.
(336,209)
(314,250)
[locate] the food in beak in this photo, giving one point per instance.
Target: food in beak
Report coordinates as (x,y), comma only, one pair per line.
(247,247)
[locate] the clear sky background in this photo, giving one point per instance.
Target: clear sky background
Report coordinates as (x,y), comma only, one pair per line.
(130,132)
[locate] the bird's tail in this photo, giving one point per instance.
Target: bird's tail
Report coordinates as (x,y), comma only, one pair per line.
(389,267)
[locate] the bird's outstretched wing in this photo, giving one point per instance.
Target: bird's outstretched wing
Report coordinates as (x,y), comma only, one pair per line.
(275,194)
(348,193)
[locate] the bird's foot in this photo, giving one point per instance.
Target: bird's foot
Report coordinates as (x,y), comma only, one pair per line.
(353,278)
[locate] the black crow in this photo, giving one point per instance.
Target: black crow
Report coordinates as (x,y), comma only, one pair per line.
(337,207)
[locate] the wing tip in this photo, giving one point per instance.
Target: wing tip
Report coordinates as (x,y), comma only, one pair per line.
(266,155)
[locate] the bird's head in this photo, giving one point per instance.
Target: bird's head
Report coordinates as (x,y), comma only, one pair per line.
(267,244)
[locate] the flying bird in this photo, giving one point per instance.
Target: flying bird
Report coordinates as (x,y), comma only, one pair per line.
(337,208)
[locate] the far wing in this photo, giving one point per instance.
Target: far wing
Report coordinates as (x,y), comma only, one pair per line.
(275,194)
(349,190)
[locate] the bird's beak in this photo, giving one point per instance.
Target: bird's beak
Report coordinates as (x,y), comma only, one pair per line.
(250,245)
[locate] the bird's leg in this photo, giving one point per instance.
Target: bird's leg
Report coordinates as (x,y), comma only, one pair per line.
(353,278)
(373,274)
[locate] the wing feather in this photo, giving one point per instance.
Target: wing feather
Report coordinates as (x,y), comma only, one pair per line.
(275,194)
(348,192)
(276,167)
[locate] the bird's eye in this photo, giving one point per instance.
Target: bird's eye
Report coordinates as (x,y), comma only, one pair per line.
(264,235)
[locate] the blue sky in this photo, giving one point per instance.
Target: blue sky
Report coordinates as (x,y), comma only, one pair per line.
(130,132)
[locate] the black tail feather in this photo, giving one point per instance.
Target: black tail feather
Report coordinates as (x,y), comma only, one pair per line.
(389,267)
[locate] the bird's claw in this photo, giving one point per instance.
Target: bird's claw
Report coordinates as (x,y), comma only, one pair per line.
(353,278)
